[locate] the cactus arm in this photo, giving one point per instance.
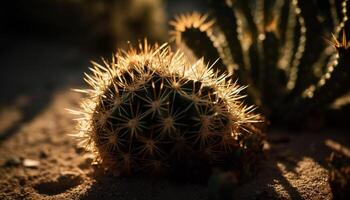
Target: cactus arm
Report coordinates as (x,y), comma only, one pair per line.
(315,45)
(294,68)
(201,45)
(300,71)
(194,33)
(273,76)
(283,12)
(344,17)
(334,13)
(259,21)
(243,6)
(227,22)
(286,32)
(269,7)
(248,25)
(338,24)
(334,83)
(280,44)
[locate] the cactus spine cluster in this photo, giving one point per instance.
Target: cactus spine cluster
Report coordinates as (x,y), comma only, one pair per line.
(276,47)
(151,111)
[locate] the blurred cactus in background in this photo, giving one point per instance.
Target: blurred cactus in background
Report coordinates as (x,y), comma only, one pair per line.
(276,47)
(129,20)
(150,111)
(102,24)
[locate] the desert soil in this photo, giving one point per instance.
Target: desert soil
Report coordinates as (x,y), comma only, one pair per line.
(39,160)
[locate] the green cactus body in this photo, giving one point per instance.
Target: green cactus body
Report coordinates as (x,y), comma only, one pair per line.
(150,111)
(276,47)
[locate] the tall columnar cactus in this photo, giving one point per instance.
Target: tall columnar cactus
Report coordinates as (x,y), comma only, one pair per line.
(278,48)
(151,111)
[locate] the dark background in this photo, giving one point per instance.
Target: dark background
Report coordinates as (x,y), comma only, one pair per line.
(47,44)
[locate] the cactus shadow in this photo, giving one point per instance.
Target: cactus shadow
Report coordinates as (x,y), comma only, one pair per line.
(279,177)
(295,161)
(28,112)
(33,71)
(107,186)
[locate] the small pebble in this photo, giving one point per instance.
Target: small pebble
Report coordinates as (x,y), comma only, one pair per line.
(79,150)
(30,163)
(43,154)
(22,181)
(13,161)
(86,163)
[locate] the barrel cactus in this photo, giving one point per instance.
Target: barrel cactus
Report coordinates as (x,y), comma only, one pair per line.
(276,47)
(152,112)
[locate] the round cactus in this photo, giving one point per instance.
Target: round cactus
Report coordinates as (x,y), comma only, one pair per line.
(150,111)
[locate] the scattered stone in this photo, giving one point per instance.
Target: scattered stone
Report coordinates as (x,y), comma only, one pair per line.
(31,163)
(69,157)
(12,161)
(22,181)
(86,163)
(43,154)
(79,150)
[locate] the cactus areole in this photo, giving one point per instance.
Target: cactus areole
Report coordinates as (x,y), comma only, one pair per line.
(151,112)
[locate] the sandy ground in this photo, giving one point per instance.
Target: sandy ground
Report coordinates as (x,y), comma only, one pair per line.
(39,160)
